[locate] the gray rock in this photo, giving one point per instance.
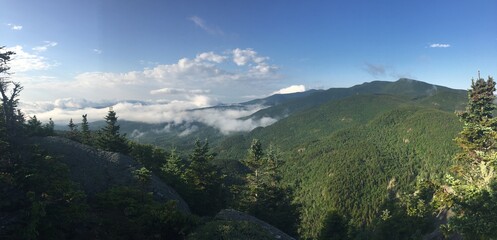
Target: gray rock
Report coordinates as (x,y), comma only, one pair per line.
(233,215)
(98,170)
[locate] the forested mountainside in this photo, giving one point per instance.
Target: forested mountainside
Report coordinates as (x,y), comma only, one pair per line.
(381,163)
(180,135)
(342,155)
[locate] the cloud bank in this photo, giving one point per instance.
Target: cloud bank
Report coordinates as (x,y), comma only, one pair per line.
(226,120)
(163,93)
(223,76)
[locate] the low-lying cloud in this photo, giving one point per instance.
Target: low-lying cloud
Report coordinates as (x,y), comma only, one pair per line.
(291,89)
(226,120)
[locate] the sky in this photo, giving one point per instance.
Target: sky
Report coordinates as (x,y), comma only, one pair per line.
(159,56)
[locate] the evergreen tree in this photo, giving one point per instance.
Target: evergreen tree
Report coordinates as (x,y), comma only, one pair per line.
(480,126)
(85,130)
(34,127)
(72,126)
(263,195)
(12,118)
(473,187)
(109,138)
(254,161)
(49,128)
(173,168)
(73,131)
(204,181)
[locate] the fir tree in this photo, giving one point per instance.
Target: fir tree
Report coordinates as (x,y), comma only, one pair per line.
(85,130)
(73,131)
(34,127)
(173,167)
(474,186)
(263,195)
(72,126)
(204,181)
(254,161)
(49,128)
(109,138)
(480,126)
(12,118)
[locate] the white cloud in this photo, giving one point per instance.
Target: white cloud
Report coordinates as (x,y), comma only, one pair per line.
(244,56)
(291,89)
(210,29)
(108,79)
(43,48)
(208,73)
(174,91)
(439,45)
(14,26)
(23,61)
(97,51)
(174,112)
(210,56)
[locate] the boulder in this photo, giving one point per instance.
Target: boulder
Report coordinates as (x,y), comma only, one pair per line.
(97,170)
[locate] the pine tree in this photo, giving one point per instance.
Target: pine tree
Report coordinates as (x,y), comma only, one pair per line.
(49,128)
(204,181)
(85,130)
(109,138)
(174,165)
(474,186)
(263,195)
(480,126)
(73,131)
(254,161)
(34,127)
(12,118)
(72,126)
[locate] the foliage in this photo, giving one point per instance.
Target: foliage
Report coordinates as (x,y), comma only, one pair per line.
(203,180)
(226,230)
(73,133)
(407,216)
(109,138)
(143,175)
(12,118)
(335,227)
(85,130)
(129,213)
(34,127)
(341,156)
(473,183)
(173,170)
(54,206)
(263,195)
(150,156)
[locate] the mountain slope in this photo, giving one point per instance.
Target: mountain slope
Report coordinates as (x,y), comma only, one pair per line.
(341,155)
(98,170)
(405,88)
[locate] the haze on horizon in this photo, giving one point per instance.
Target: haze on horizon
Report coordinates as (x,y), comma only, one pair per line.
(152,60)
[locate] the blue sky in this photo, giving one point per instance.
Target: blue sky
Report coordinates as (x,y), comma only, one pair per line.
(206,52)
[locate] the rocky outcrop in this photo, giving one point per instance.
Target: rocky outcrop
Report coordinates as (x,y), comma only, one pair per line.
(96,170)
(233,215)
